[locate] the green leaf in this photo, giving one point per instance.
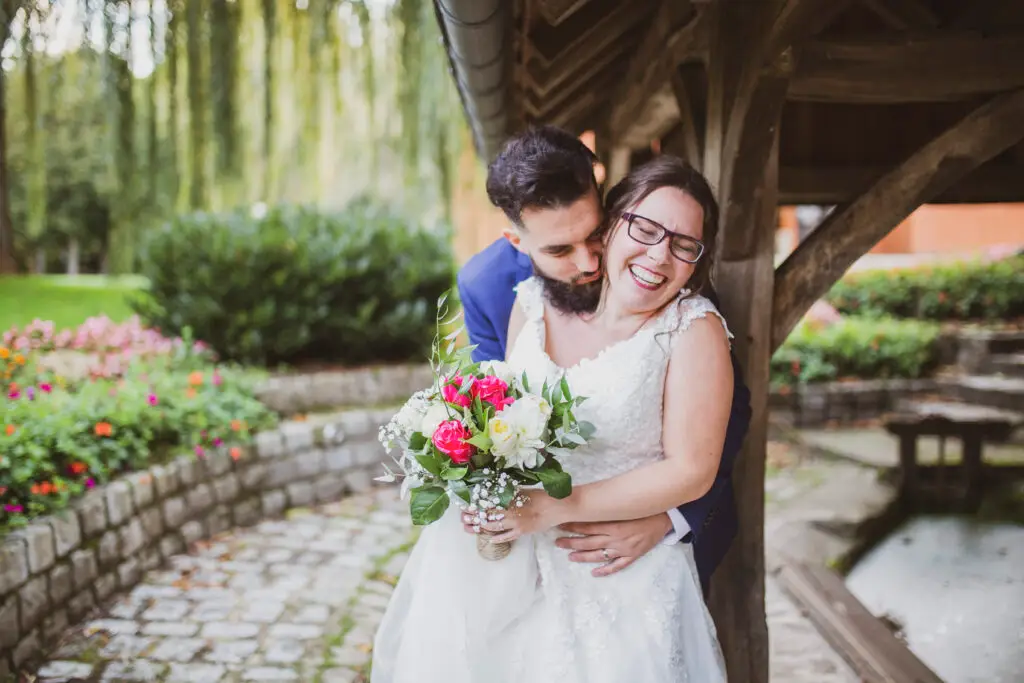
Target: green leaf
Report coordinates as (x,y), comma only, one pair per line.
(427,504)
(586,429)
(454,473)
(558,484)
(526,383)
(575,438)
(441,300)
(558,452)
(565,389)
(481,459)
(417,441)
(429,463)
(460,489)
(481,441)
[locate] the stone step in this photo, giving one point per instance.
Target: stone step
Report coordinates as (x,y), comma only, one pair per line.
(1006,393)
(976,346)
(1010,364)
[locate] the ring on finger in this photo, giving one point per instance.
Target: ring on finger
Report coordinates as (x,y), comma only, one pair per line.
(604,552)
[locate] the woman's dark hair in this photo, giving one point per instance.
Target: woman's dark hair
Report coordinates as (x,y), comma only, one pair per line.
(666,170)
(543,167)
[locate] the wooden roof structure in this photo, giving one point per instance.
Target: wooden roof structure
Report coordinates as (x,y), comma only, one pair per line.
(876,106)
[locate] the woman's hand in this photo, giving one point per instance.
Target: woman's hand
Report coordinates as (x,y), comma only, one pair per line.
(539,513)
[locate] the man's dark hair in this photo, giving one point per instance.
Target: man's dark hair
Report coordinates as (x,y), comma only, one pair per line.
(541,168)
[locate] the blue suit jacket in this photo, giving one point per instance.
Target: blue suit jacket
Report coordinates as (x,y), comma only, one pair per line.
(486,288)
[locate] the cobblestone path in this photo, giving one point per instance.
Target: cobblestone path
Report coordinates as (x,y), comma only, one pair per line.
(299,599)
(296,599)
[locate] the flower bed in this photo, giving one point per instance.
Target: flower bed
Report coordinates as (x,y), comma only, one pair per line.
(81,406)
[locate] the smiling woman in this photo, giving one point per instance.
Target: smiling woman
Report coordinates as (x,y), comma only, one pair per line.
(67,301)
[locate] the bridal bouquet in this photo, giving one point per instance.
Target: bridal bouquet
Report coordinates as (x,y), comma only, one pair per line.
(478,436)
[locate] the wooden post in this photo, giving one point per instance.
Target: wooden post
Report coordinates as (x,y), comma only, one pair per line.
(618,165)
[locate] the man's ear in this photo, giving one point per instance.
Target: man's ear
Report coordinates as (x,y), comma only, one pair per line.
(514,237)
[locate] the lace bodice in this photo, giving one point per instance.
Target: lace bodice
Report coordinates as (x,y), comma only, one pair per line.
(624,384)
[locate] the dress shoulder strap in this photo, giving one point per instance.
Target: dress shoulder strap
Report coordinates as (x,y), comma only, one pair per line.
(681,313)
(530,295)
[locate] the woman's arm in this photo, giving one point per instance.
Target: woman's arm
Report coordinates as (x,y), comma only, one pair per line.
(697,400)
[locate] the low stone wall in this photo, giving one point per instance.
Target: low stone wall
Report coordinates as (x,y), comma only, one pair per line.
(288,394)
(813,405)
(53,572)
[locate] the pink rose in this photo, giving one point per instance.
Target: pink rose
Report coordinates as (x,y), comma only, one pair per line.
(493,390)
(450,438)
(450,392)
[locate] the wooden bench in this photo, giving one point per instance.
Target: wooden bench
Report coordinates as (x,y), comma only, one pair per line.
(870,648)
(972,425)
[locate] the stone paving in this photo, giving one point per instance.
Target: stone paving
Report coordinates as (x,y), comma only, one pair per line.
(298,599)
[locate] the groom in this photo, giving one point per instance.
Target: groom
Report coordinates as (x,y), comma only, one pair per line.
(543,180)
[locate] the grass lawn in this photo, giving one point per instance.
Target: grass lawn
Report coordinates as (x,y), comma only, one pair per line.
(67,301)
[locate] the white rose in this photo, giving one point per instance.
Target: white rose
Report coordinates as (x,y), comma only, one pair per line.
(410,417)
(516,432)
(532,413)
(434,415)
(499,369)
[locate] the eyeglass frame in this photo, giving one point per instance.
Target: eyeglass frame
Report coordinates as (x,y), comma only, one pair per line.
(665,233)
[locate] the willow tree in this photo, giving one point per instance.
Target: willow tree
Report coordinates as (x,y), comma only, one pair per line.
(8,11)
(34,112)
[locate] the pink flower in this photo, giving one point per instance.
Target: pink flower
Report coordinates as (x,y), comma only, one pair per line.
(13,508)
(152,399)
(217,379)
(218,441)
(450,438)
(199,451)
(450,392)
(45,388)
(14,395)
(90,482)
(493,390)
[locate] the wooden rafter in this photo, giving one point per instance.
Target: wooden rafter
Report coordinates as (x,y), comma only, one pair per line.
(903,14)
(607,37)
(815,184)
(557,11)
(924,68)
(674,30)
(689,84)
(851,230)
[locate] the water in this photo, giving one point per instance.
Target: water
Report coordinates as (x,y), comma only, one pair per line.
(957,587)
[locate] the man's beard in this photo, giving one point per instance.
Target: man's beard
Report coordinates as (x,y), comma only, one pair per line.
(568,297)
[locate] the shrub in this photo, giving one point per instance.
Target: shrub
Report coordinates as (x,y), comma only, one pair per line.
(295,285)
(961,291)
(856,348)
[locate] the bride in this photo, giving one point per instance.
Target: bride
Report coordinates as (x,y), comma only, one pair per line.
(653,361)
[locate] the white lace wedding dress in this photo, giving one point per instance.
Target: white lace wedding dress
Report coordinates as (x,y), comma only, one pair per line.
(536,617)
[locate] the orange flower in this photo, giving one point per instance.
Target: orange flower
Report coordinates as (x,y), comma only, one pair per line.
(10,430)
(104,429)
(190,393)
(3,490)
(47,488)
(78,467)
(14,386)
(19,359)
(195,378)
(36,489)
(4,353)
(235,452)
(236,425)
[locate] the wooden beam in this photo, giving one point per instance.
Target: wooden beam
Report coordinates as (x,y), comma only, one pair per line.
(674,29)
(927,68)
(604,39)
(595,73)
(689,84)
(550,43)
(618,165)
(841,184)
(903,14)
(556,11)
(850,231)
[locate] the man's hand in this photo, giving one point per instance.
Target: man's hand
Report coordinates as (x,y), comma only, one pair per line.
(615,544)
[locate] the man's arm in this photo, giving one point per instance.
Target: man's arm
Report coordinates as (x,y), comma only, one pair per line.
(481,331)
(696,512)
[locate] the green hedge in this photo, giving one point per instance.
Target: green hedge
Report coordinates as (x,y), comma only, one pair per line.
(962,291)
(866,348)
(351,287)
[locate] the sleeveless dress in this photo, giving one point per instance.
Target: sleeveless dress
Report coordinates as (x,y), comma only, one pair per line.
(535,616)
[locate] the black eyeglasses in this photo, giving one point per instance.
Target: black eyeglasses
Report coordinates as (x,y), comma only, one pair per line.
(646,231)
